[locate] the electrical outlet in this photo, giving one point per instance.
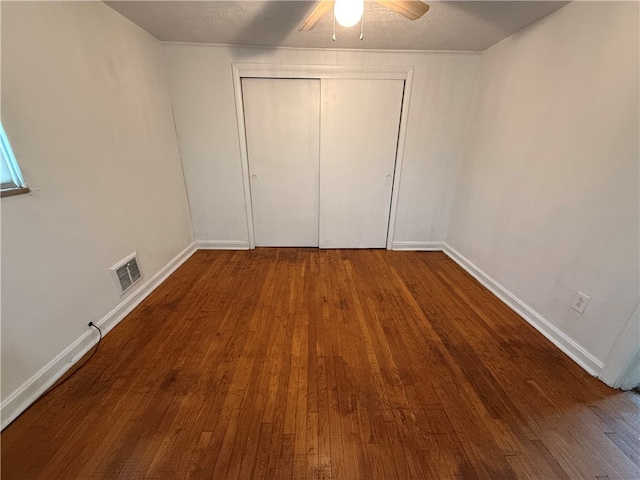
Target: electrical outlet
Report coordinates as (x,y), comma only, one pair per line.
(580,302)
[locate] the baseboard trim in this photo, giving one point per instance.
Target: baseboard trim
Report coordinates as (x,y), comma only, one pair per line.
(578,354)
(222,244)
(24,396)
(39,383)
(418,246)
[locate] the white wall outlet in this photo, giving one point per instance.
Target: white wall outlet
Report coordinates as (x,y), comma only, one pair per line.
(580,302)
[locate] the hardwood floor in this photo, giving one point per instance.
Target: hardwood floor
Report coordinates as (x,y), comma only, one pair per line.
(324,364)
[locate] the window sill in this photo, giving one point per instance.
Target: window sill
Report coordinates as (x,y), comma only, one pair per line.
(9,192)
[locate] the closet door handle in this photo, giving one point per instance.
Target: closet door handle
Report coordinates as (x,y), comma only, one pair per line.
(254,176)
(388,177)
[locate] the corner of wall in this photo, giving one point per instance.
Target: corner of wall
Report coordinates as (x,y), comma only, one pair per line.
(621,366)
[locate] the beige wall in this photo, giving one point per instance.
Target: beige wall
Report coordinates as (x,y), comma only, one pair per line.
(205,114)
(547,198)
(86,107)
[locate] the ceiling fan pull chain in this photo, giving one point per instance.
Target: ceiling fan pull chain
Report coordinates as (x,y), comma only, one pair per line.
(362,27)
(334,28)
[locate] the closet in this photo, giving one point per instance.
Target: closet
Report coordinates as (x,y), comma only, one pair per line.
(321,155)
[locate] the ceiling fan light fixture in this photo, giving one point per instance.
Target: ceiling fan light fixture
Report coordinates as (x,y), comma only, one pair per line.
(348,12)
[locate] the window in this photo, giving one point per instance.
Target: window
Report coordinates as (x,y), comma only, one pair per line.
(11,179)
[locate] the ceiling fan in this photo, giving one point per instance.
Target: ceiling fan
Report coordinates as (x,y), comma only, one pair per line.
(348,12)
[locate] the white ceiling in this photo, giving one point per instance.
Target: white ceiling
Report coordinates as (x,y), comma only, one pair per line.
(449,25)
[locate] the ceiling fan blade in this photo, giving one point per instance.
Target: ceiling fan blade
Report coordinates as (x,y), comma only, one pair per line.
(316,14)
(412,9)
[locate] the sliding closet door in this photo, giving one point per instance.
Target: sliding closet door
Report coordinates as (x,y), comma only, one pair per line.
(360,120)
(282,125)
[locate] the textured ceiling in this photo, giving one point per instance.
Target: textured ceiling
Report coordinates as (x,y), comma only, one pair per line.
(474,25)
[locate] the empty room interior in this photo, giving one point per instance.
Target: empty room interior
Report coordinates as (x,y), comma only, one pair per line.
(391,239)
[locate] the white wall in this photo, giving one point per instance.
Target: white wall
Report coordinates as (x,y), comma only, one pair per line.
(204,109)
(547,199)
(546,202)
(86,106)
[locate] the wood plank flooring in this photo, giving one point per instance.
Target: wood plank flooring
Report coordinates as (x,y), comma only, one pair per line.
(326,364)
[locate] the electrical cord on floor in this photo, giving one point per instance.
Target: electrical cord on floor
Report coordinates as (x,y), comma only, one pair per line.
(69,375)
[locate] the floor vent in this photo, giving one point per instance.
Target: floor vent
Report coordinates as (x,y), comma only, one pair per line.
(126,273)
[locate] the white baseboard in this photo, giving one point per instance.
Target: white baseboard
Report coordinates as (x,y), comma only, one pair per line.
(222,244)
(23,397)
(578,354)
(417,246)
(20,400)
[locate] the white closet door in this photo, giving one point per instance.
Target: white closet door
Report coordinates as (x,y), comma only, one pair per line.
(282,120)
(359,136)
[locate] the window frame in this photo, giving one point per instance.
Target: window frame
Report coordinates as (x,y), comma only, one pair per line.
(17,185)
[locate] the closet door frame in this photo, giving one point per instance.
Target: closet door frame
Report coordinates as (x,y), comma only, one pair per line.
(262,70)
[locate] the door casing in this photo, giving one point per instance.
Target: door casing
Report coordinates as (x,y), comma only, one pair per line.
(261,70)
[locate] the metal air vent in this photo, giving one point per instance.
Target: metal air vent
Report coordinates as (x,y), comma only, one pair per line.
(126,273)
